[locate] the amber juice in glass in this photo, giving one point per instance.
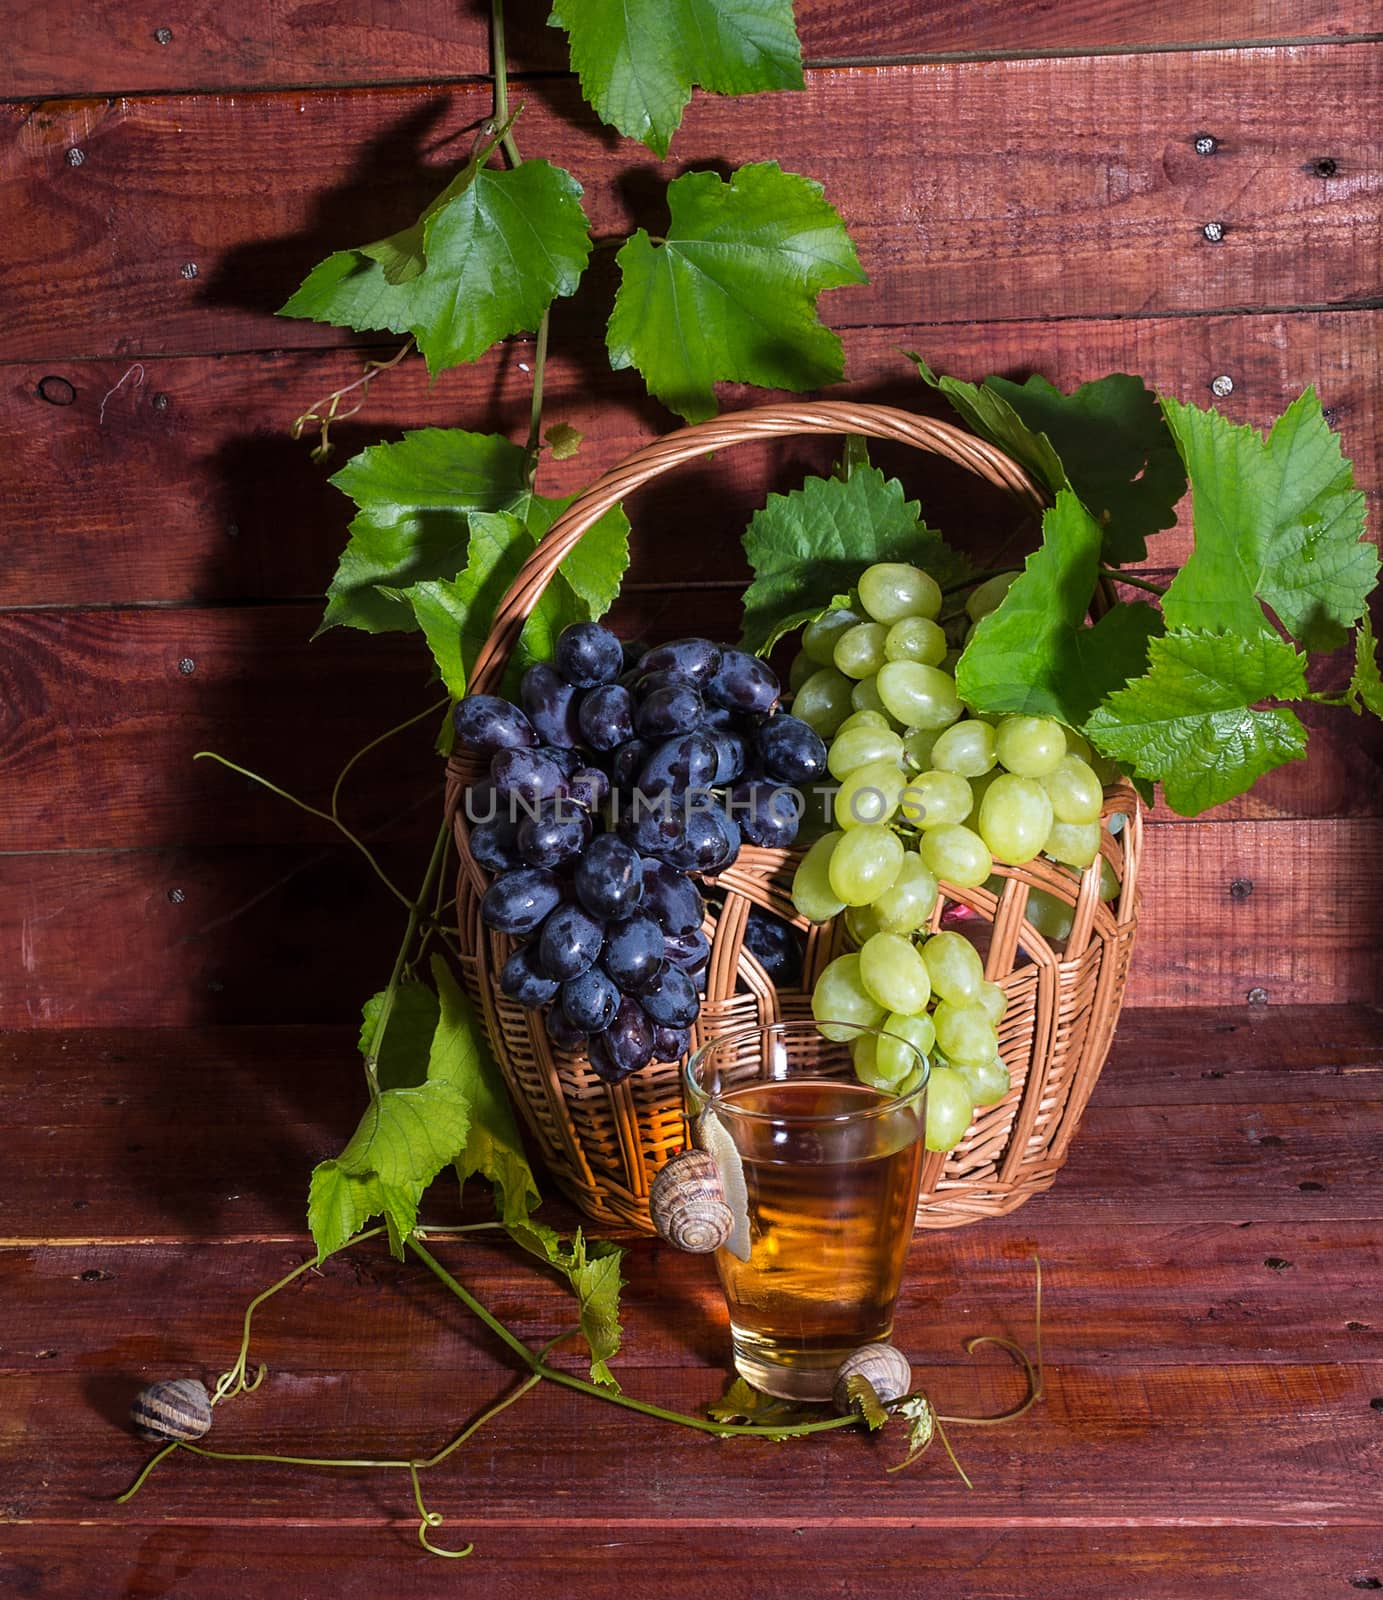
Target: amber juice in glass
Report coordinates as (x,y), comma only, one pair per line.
(824,1173)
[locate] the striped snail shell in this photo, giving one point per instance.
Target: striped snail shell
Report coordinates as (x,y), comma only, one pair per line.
(687,1204)
(177,1408)
(886,1368)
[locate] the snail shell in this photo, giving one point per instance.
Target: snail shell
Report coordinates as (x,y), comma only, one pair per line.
(177,1408)
(687,1204)
(886,1368)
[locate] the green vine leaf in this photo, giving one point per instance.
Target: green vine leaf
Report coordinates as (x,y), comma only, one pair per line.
(1278,520)
(1036,654)
(1107,442)
(807,547)
(485,260)
(638,59)
(730,294)
(592,1271)
(1189,722)
(413,1018)
(864,1398)
(742,1403)
(1366,685)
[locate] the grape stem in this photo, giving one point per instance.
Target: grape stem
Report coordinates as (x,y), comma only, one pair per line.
(1115,576)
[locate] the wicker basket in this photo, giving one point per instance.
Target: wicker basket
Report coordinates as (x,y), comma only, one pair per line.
(603,1143)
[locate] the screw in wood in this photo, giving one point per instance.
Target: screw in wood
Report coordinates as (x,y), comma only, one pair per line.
(177,896)
(188,270)
(187,666)
(163,36)
(161,402)
(1257,997)
(1241,889)
(1206,144)
(1222,386)
(75,156)
(1214,231)
(1326,167)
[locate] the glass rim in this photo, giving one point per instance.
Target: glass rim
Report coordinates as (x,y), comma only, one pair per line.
(859,1114)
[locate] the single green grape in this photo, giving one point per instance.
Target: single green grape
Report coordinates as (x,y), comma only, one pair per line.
(1030,746)
(865,697)
(950,1108)
(1015,818)
(1051,916)
(864,719)
(823,701)
(965,748)
(801,669)
(811,883)
(861,923)
(989,595)
(992,1000)
(857,747)
(915,639)
(956,854)
(988,1080)
(902,1041)
(869,794)
(964,1033)
(890,590)
(1075,844)
(840,1004)
(894,974)
(1078,745)
(819,637)
(906,906)
(1075,792)
(918,744)
(1109,880)
(859,651)
(954,966)
(864,863)
(933,798)
(921,697)
(864,1054)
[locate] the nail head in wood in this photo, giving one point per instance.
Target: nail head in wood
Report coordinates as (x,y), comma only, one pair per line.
(1206,144)
(1222,386)
(1214,232)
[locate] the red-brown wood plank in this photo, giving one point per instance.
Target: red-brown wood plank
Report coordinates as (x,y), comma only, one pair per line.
(219,1560)
(1091,203)
(303,934)
(182,484)
(61,48)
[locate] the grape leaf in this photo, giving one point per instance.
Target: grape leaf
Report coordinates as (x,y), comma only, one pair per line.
(402,1060)
(1189,721)
(1107,441)
(730,294)
(638,59)
(1035,653)
(1277,520)
(592,1270)
(742,1403)
(1365,691)
(809,546)
(864,1398)
(485,260)
(563,440)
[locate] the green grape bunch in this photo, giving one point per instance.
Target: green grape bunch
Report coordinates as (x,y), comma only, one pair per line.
(929,792)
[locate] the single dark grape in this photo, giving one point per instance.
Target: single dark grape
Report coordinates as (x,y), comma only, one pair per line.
(671,898)
(654,824)
(484,723)
(776,945)
(670,1044)
(517,902)
(570,942)
(720,719)
(560,830)
(731,756)
(710,842)
(590,1000)
(744,683)
(678,765)
(688,951)
(791,751)
(563,1033)
(667,712)
(625,1046)
(609,877)
(550,703)
(672,1000)
(633,954)
(606,716)
(767,814)
(494,845)
(588,654)
(695,659)
(522,979)
(647,683)
(589,787)
(525,775)
(566,761)
(628,762)
(482,802)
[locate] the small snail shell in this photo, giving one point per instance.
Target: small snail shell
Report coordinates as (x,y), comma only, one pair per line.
(178,1408)
(886,1368)
(687,1204)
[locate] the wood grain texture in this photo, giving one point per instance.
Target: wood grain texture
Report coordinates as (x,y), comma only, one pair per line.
(1090,203)
(181,483)
(64,49)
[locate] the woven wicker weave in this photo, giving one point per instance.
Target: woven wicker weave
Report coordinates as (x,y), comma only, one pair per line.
(604,1143)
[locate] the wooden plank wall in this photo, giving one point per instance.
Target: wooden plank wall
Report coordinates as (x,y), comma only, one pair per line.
(1024,184)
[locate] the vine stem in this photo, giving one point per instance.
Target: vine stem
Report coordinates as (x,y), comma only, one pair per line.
(1115,576)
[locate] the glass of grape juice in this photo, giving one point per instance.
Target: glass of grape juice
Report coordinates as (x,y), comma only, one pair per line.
(821,1173)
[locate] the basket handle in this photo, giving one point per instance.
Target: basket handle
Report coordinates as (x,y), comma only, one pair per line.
(736,427)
